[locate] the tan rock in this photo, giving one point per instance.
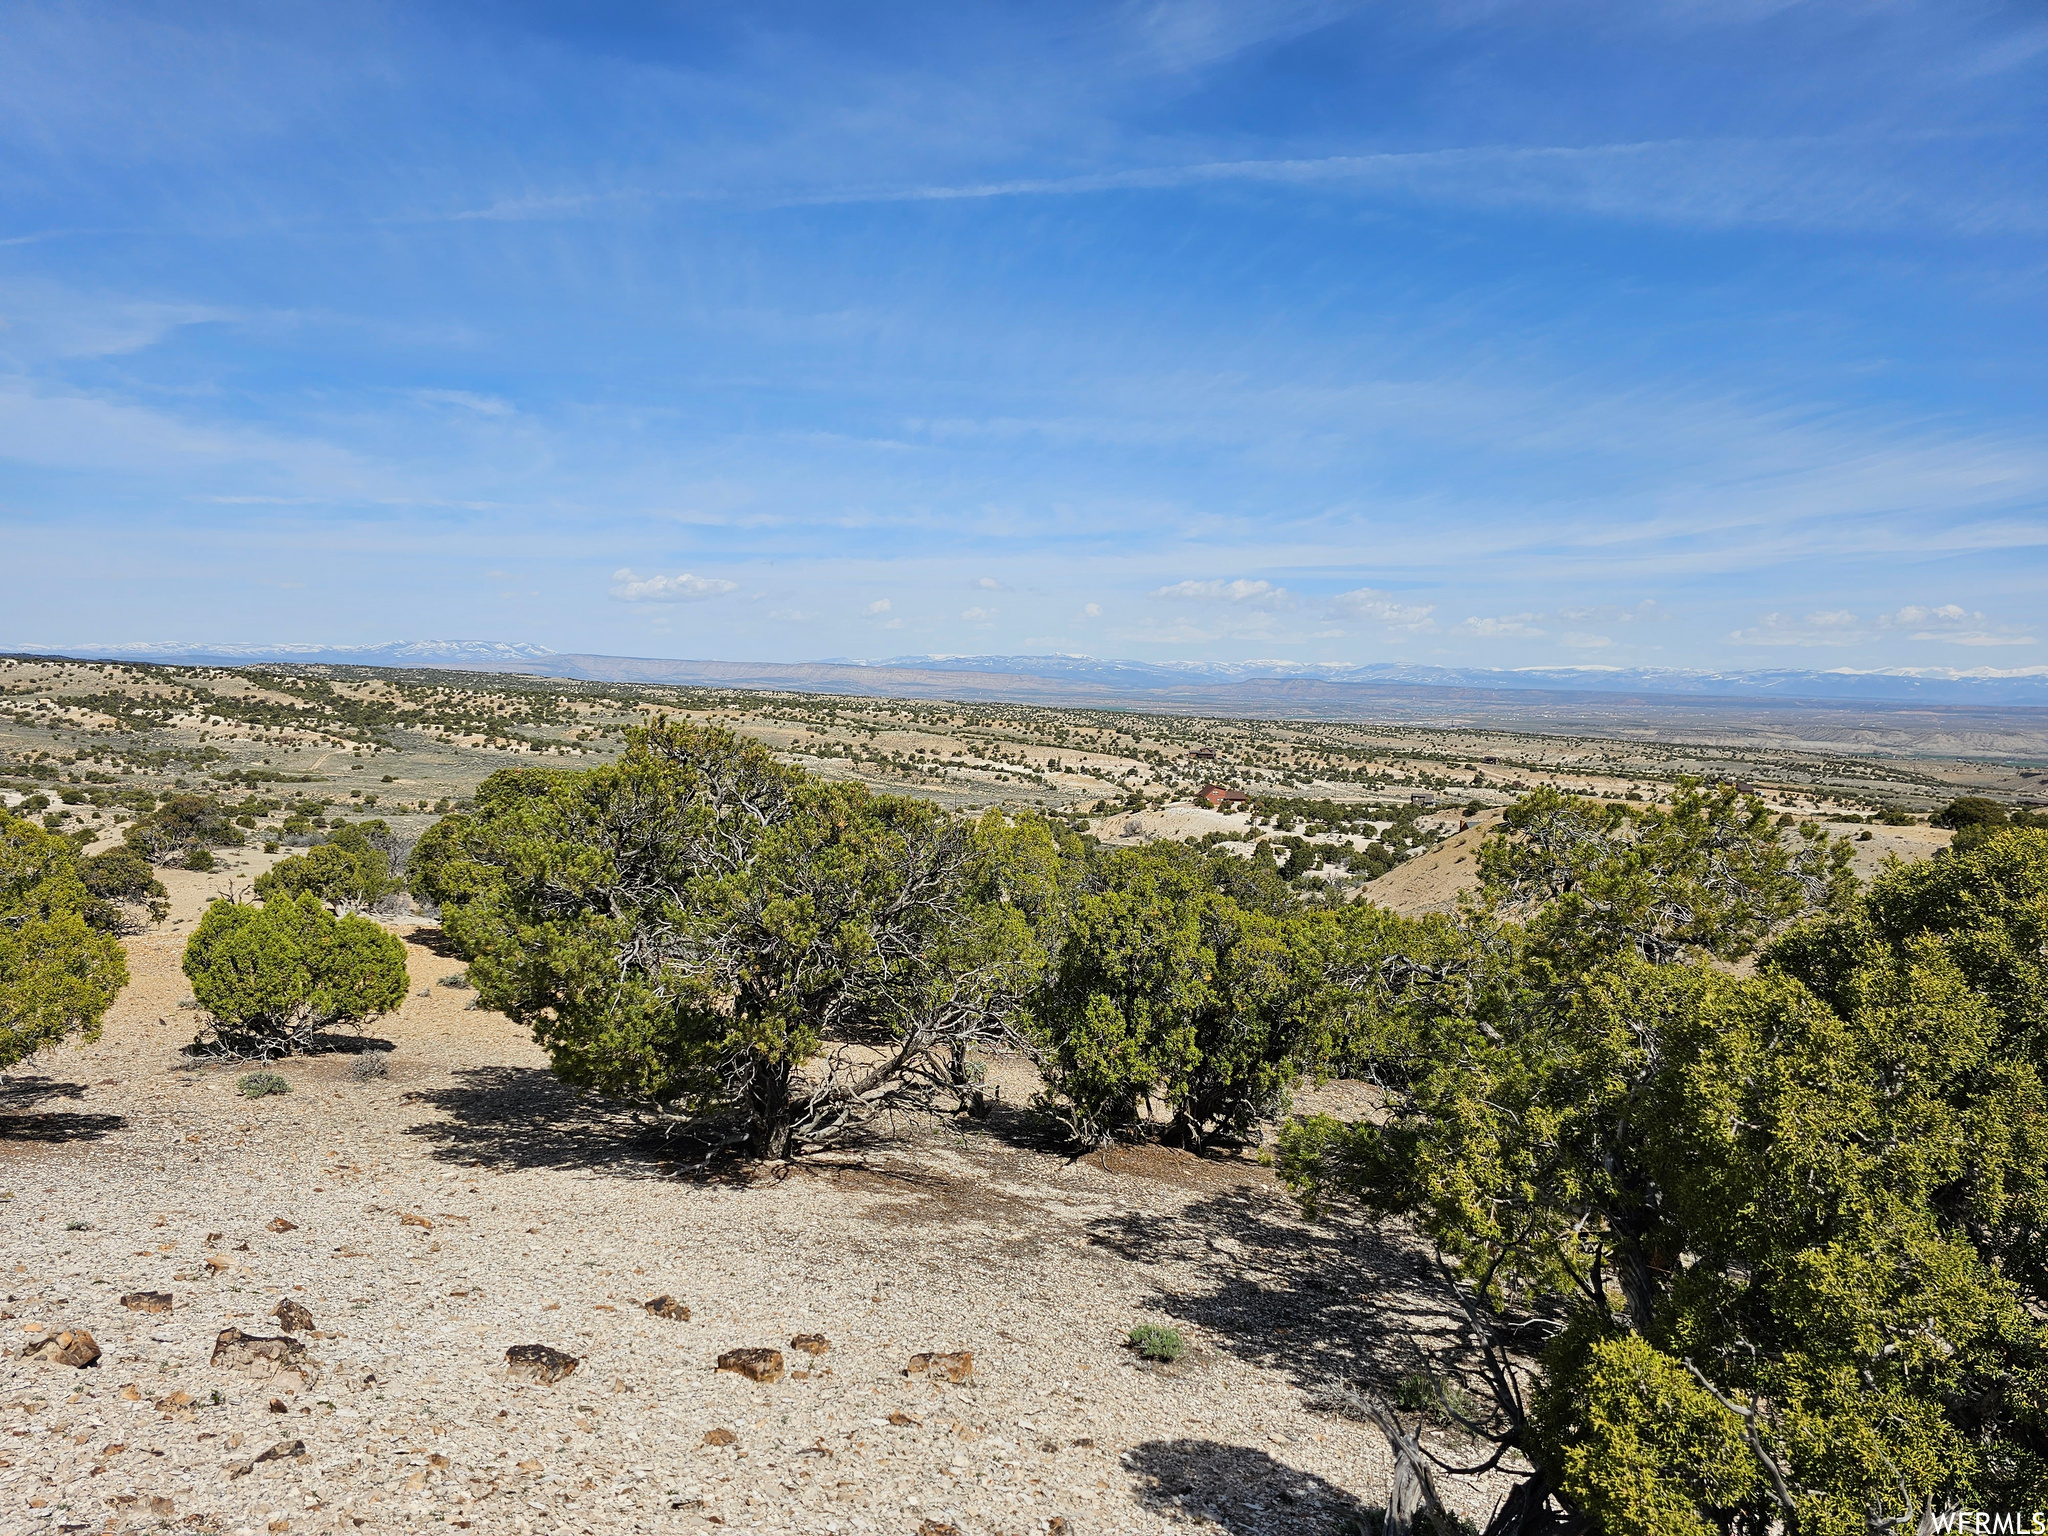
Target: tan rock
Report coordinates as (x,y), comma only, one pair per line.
(903,1420)
(292,1317)
(68,1346)
(279,1224)
(147,1301)
(957,1366)
(937,1528)
(811,1343)
(410,1220)
(754,1364)
(668,1307)
(720,1437)
(236,1350)
(538,1364)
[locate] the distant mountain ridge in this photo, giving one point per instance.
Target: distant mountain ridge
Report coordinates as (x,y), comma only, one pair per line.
(1086,679)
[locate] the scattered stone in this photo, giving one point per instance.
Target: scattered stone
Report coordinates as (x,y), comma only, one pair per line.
(277,1405)
(240,1469)
(219,1263)
(234,1350)
(69,1346)
(147,1301)
(538,1364)
(284,1450)
(279,1224)
(937,1528)
(811,1343)
(292,1317)
(1056,1526)
(754,1364)
(668,1307)
(410,1220)
(957,1366)
(159,1505)
(903,1420)
(720,1437)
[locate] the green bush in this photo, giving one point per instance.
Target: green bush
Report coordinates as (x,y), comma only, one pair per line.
(349,872)
(1165,986)
(60,970)
(694,926)
(123,879)
(197,858)
(184,823)
(270,977)
(261,1084)
(1152,1342)
(1784,1229)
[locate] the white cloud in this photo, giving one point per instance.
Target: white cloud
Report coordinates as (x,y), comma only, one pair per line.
(1584,642)
(1828,627)
(1519,626)
(879,605)
(1254,594)
(1952,624)
(685,588)
(1365,604)
(1091,611)
(989,584)
(978,615)
(483,405)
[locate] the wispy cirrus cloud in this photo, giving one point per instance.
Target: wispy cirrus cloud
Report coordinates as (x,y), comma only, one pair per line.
(1824,627)
(1843,182)
(1366,605)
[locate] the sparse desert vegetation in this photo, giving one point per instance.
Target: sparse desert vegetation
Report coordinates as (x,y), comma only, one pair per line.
(647,1110)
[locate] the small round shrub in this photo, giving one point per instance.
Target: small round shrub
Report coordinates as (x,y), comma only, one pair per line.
(259,1084)
(200,859)
(1153,1342)
(370,1065)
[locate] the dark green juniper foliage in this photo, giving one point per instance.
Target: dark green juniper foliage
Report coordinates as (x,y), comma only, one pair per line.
(1746,1254)
(273,976)
(1187,978)
(698,928)
(60,965)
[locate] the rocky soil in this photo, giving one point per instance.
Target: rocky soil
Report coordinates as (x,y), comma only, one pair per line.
(432,1219)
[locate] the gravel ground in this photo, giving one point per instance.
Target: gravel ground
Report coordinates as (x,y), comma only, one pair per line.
(467,1203)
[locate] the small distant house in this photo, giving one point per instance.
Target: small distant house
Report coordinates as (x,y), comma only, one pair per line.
(1204,754)
(1217,798)
(1422,797)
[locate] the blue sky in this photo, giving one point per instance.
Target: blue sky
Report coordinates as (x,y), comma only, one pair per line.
(1666,332)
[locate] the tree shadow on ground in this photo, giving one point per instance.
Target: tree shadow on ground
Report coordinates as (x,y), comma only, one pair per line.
(435,941)
(20,1121)
(1330,1303)
(526,1117)
(1242,1490)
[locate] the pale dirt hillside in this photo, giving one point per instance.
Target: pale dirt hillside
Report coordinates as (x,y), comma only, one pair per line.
(1432,880)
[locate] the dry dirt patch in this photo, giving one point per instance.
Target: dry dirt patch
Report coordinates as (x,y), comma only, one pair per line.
(468,1203)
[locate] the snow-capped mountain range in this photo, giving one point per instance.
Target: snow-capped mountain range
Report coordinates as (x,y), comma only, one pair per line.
(1096,675)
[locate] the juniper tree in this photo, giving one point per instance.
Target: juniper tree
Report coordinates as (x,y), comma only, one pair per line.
(1743,1253)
